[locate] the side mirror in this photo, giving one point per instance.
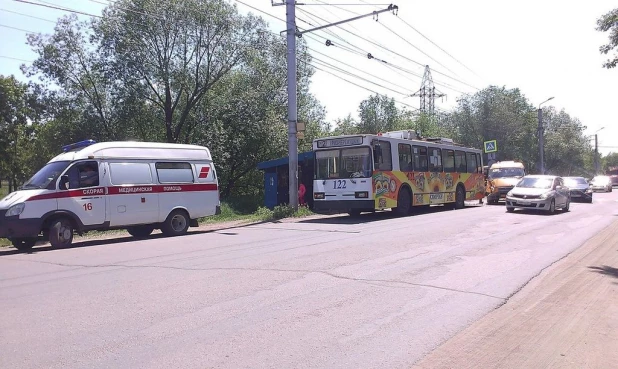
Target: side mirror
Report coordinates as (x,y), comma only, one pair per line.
(64,181)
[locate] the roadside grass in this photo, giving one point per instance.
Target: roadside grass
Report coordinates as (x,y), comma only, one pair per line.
(262,214)
(228,214)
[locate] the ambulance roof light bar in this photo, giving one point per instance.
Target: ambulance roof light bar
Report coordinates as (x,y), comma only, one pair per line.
(78,145)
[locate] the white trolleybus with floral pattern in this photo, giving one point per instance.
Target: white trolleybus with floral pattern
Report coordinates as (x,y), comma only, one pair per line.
(394,170)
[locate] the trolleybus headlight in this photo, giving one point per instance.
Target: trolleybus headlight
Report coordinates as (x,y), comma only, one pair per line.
(361,195)
(318,195)
(15,210)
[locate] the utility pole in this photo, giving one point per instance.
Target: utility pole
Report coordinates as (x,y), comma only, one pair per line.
(292,33)
(596,154)
(542,138)
(290,7)
(541,143)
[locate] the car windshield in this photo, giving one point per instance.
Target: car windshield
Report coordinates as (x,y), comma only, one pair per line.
(532,182)
(575,181)
(600,180)
(46,175)
(506,172)
(343,163)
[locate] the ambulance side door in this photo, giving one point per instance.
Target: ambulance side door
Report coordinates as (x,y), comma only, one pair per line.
(85,197)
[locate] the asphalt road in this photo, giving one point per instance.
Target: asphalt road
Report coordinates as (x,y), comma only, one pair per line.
(374,292)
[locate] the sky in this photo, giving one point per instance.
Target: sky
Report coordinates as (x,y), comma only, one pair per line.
(546,48)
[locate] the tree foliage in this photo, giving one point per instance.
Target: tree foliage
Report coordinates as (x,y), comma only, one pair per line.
(609,23)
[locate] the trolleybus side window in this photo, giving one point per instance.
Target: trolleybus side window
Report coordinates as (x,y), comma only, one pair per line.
(460,161)
(435,159)
(382,156)
(472,165)
(479,163)
(448,160)
(420,158)
(405,158)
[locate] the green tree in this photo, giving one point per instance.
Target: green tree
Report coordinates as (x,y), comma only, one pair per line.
(610,161)
(609,22)
(178,52)
(345,126)
(20,112)
(378,114)
(496,113)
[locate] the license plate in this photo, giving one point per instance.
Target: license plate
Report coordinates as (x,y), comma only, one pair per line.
(523,202)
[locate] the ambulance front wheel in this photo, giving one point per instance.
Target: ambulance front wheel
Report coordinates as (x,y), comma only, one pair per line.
(23,244)
(176,224)
(61,233)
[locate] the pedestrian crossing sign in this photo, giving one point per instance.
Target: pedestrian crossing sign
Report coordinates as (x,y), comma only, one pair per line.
(490,146)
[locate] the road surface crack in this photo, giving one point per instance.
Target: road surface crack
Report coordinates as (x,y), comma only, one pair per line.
(305,271)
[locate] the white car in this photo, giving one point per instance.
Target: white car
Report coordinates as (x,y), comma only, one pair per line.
(601,183)
(540,192)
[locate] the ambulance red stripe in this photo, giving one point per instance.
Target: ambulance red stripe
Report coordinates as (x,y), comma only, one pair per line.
(126,190)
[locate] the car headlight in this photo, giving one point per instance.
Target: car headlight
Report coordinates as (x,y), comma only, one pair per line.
(510,193)
(15,210)
(545,195)
(588,190)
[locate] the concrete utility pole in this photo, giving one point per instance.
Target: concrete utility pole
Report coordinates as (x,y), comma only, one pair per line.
(541,138)
(292,33)
(596,152)
(290,7)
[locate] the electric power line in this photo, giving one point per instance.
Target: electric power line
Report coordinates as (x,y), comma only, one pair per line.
(391,51)
(51,6)
(17,29)
(436,45)
(27,15)
(363,87)
(18,59)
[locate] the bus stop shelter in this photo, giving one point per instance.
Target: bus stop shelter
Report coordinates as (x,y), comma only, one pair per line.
(276,188)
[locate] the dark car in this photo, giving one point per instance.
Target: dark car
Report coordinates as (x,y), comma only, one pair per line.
(579,188)
(614,179)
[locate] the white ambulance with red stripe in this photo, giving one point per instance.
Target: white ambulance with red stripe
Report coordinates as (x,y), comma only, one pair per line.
(137,186)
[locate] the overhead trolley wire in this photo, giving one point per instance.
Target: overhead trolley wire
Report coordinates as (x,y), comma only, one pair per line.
(394,52)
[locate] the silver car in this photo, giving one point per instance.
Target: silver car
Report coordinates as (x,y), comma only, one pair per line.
(541,192)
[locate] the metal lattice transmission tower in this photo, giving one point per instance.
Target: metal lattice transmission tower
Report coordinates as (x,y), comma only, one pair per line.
(428,94)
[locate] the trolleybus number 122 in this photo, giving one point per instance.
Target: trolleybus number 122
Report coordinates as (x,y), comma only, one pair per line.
(339,184)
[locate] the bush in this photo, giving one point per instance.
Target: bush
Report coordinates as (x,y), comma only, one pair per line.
(263,213)
(282,211)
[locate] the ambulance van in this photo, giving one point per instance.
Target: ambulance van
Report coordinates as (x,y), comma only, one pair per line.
(137,186)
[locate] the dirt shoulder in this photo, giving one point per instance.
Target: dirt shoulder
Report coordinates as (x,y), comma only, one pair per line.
(567,317)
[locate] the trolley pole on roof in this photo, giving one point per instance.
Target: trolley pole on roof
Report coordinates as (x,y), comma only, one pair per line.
(292,33)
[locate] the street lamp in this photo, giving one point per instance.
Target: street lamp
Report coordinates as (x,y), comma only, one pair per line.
(541,139)
(596,152)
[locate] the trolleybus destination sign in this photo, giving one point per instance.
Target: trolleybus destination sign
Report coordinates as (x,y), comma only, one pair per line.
(336,142)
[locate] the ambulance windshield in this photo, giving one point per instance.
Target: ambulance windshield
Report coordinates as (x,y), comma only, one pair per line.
(46,175)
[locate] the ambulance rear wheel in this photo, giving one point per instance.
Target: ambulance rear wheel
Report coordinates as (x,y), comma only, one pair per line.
(176,224)
(140,231)
(61,233)
(23,244)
